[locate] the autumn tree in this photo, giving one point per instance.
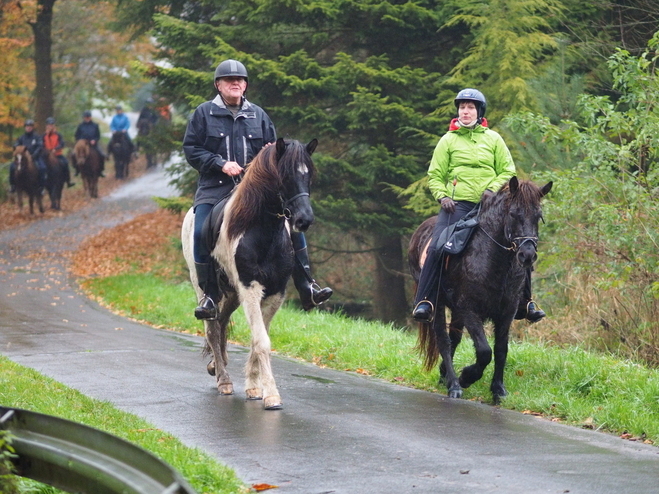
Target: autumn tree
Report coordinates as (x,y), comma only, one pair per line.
(18,76)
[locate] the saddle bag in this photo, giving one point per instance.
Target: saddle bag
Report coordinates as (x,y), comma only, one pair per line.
(454,239)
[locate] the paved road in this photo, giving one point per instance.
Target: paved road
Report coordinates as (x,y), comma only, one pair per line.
(338,432)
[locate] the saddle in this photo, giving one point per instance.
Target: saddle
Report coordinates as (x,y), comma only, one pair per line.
(210,230)
(454,239)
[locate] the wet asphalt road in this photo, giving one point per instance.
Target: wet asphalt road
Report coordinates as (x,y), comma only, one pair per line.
(338,432)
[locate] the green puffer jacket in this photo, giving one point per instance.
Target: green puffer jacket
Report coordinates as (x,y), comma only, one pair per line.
(477,159)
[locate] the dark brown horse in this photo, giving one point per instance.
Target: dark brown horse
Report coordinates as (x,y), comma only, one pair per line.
(87,160)
(26,178)
(55,180)
(483,283)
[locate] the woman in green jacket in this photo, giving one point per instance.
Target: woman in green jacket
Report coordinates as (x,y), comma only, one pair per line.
(469,164)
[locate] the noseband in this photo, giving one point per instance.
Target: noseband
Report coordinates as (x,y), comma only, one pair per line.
(515,243)
(285,204)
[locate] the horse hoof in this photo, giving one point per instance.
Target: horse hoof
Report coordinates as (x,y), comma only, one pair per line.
(254,394)
(455,393)
(211,367)
(225,389)
(273,403)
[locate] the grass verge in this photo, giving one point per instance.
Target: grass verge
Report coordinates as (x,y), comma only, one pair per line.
(569,385)
(22,387)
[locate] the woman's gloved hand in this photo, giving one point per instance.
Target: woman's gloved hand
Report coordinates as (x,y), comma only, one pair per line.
(448,204)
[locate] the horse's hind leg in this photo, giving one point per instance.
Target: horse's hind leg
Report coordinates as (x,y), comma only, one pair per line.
(446,350)
(216,338)
(455,334)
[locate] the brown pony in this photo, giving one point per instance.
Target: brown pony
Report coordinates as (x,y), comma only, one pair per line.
(87,161)
(55,180)
(26,178)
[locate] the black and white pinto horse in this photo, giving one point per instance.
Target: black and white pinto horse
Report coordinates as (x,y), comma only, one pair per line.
(255,256)
(483,283)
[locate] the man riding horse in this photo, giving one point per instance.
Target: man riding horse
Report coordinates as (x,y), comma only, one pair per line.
(222,137)
(53,140)
(33,142)
(469,164)
(90,131)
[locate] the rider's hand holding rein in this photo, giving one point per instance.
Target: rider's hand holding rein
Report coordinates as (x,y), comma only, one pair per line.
(448,204)
(232,168)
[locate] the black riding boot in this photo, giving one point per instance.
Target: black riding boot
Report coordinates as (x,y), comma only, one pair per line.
(527,308)
(207,279)
(310,292)
(66,173)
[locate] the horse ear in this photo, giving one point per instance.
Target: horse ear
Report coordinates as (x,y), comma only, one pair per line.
(280,147)
(514,185)
(546,188)
(311,147)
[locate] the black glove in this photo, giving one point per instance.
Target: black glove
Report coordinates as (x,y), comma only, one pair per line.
(448,204)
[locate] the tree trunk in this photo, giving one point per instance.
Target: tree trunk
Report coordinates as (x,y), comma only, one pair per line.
(41,28)
(389,303)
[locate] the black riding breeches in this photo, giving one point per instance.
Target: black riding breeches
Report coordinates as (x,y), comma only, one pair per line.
(200,250)
(428,285)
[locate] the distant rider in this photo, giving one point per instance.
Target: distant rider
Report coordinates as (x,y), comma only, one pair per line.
(33,142)
(90,131)
(120,123)
(53,140)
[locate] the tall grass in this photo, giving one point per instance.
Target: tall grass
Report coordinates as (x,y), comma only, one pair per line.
(566,384)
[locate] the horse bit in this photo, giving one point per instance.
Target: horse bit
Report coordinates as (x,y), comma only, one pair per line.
(286,212)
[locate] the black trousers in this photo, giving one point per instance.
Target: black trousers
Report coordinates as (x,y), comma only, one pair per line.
(429,280)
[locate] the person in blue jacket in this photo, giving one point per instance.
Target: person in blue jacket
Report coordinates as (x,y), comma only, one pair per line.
(223,135)
(120,123)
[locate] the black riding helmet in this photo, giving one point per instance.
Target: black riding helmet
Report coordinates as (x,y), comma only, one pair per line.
(50,121)
(230,68)
(472,95)
(29,122)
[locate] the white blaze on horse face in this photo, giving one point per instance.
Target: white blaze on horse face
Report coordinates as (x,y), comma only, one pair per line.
(303,168)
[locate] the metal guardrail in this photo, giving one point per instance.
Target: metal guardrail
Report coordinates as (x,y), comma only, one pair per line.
(77,458)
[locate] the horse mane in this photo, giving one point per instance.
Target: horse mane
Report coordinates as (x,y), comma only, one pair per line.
(23,151)
(527,195)
(262,183)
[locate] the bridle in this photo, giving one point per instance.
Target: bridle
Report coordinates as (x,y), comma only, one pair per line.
(286,203)
(515,242)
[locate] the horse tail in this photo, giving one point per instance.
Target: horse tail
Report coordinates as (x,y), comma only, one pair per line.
(427,346)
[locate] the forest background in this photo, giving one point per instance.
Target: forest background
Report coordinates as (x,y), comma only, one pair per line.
(571,85)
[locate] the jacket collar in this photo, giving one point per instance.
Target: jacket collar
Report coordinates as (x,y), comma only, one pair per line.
(219,102)
(455,126)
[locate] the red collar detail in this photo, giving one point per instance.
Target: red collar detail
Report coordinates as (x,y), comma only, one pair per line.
(454,124)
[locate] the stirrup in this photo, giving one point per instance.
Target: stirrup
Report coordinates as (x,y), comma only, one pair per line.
(324,294)
(424,320)
(207,309)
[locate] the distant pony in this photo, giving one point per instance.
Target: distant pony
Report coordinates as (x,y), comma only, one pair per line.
(484,282)
(255,257)
(122,151)
(26,178)
(87,160)
(55,179)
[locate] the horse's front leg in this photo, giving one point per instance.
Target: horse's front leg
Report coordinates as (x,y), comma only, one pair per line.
(474,372)
(444,346)
(260,381)
(501,333)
